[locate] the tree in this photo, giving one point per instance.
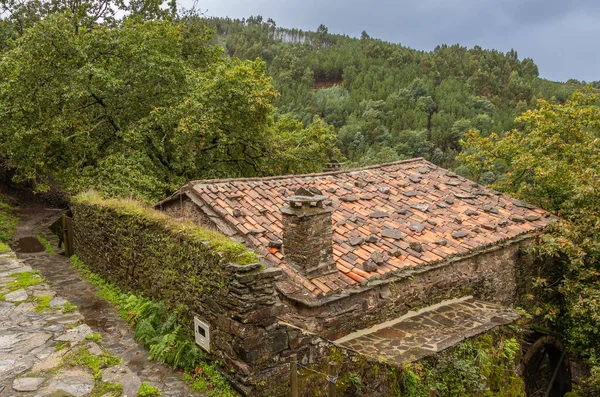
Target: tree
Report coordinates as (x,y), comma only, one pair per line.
(143,105)
(553,161)
(298,150)
(23,14)
(321,36)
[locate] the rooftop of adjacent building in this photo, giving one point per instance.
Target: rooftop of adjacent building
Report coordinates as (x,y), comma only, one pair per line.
(386,219)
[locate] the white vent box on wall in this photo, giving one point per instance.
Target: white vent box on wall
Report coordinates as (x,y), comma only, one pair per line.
(202,334)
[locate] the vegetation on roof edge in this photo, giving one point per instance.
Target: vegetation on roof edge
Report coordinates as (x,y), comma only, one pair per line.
(238,253)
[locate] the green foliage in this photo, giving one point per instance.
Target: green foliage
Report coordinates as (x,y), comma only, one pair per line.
(553,161)
(309,150)
(158,329)
(8,222)
(374,92)
(42,303)
(147,390)
(207,379)
(487,365)
(137,106)
(46,244)
(68,307)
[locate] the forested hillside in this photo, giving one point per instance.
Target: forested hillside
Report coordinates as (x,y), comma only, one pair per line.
(387,101)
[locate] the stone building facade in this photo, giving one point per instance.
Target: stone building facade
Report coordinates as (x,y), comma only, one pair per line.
(360,247)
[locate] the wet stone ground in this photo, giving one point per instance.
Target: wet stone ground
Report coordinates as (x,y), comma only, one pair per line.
(430,330)
(39,346)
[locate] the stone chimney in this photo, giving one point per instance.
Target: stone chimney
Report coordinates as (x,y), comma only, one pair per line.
(307,233)
(332,165)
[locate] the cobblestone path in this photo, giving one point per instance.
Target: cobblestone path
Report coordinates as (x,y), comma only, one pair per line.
(430,330)
(49,349)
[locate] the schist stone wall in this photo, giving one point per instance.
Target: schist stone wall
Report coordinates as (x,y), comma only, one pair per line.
(183,207)
(490,275)
(146,252)
(265,339)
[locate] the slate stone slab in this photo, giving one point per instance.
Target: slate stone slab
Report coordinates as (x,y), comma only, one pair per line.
(460,234)
(27,384)
(391,233)
(417,227)
(125,377)
(428,331)
(16,296)
(74,381)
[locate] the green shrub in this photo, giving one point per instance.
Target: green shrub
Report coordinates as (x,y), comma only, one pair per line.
(8,222)
(147,390)
(46,245)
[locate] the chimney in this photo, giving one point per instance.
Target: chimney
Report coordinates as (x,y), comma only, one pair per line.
(332,165)
(307,233)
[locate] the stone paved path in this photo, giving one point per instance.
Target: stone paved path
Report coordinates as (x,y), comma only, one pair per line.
(430,330)
(36,347)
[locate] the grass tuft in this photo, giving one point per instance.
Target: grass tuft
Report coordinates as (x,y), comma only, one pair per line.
(24,280)
(4,248)
(46,245)
(68,307)
(62,345)
(147,390)
(42,303)
(95,337)
(104,389)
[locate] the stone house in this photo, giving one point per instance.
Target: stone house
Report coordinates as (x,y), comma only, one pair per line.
(357,248)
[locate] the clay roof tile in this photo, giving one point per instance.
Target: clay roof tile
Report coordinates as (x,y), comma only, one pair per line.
(413,192)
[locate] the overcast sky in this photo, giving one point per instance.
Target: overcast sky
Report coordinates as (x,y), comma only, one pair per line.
(561,36)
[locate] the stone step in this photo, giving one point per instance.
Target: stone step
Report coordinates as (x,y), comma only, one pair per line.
(425,332)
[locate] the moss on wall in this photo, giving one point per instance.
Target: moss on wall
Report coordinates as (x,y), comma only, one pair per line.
(487,365)
(142,216)
(8,222)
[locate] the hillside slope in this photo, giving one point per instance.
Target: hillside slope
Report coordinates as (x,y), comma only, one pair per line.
(387,101)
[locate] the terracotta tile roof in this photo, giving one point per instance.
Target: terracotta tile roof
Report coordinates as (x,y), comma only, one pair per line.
(405,214)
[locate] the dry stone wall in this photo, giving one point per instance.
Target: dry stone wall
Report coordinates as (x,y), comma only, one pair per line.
(490,275)
(145,252)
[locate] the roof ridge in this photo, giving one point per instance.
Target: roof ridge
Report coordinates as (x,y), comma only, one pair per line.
(316,174)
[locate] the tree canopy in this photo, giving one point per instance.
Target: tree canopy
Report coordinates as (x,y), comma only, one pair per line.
(553,160)
(141,105)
